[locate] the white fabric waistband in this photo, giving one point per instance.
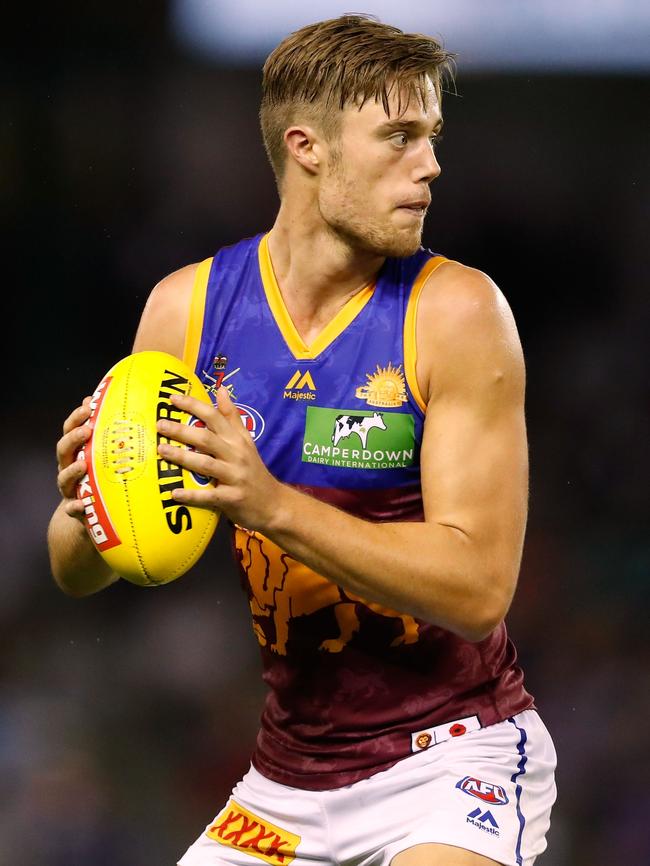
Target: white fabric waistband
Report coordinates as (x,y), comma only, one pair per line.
(424,739)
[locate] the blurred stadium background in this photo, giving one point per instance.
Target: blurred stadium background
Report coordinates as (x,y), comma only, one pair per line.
(129,147)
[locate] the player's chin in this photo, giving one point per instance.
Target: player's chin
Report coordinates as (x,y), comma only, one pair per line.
(404,243)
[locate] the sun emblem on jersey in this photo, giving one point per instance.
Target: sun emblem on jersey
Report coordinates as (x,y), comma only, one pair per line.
(385,387)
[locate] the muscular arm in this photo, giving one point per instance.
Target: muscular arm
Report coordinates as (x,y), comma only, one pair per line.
(77,567)
(459,568)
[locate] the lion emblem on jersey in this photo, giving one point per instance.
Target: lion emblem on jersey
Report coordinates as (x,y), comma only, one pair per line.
(283,591)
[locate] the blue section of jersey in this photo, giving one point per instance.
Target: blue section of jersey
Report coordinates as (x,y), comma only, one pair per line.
(344,419)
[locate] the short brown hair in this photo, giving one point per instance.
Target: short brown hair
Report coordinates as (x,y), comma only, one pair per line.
(324,67)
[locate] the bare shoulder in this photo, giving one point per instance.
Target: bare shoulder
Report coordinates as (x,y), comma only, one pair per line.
(166,313)
(466,333)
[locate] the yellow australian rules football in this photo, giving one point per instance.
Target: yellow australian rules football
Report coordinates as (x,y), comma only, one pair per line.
(135,523)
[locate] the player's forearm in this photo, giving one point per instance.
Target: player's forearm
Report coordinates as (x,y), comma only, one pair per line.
(432,571)
(77,567)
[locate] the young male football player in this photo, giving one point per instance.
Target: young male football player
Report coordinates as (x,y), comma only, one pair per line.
(377,485)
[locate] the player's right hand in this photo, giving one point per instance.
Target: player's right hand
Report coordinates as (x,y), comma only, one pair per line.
(71,470)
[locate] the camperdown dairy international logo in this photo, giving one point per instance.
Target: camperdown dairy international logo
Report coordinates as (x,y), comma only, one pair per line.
(358,440)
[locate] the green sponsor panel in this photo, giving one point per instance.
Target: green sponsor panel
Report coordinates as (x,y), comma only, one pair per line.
(358,440)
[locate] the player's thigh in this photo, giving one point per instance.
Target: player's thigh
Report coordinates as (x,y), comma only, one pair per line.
(430,854)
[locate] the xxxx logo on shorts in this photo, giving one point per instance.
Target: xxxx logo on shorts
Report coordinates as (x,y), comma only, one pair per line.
(238,828)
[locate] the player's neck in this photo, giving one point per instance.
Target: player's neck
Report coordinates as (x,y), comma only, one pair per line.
(317,273)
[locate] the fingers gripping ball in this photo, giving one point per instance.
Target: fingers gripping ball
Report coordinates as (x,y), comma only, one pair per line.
(136,525)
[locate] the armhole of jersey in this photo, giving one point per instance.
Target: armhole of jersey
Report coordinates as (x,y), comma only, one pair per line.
(197,311)
(410,322)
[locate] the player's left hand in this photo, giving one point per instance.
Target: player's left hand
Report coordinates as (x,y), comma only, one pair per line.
(245,490)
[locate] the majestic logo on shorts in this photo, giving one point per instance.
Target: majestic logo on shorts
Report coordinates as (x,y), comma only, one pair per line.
(385,387)
(236,827)
(300,387)
(483,821)
(485,791)
(358,440)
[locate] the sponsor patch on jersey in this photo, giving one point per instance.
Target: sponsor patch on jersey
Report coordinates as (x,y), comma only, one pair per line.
(488,792)
(386,387)
(358,440)
(240,829)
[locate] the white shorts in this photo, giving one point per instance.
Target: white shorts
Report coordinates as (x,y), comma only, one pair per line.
(489,791)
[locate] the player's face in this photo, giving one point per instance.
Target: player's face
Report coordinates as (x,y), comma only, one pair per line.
(375,192)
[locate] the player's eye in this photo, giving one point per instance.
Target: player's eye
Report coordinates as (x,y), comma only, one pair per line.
(400,139)
(435,140)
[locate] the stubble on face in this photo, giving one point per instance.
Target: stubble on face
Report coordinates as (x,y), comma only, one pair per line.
(348,214)
(358,203)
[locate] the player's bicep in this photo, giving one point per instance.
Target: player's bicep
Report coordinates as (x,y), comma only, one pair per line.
(474,450)
(164,319)
(475,469)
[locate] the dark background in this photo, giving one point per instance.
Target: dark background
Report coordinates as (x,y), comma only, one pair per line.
(126,717)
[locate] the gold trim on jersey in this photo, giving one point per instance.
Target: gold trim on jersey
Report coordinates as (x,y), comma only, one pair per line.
(330,332)
(410,322)
(197,311)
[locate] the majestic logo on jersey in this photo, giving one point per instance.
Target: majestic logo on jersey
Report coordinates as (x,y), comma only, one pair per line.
(291,604)
(238,828)
(385,387)
(358,440)
(300,387)
(486,791)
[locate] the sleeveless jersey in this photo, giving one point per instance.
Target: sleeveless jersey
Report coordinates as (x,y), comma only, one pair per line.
(350,683)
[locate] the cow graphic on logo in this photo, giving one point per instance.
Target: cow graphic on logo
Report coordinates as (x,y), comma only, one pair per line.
(356,425)
(289,602)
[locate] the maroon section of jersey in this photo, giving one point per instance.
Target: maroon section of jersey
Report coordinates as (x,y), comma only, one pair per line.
(396,504)
(331,720)
(351,681)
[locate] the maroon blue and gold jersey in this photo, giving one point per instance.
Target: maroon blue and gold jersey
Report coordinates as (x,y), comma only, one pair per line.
(350,682)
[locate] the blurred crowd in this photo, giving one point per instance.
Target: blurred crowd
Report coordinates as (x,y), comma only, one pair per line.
(125,718)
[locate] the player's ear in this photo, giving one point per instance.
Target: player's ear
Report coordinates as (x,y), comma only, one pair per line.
(304,146)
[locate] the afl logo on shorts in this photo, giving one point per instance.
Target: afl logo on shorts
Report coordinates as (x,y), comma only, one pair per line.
(203,480)
(252,420)
(486,791)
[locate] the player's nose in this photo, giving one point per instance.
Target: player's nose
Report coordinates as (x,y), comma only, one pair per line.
(428,167)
